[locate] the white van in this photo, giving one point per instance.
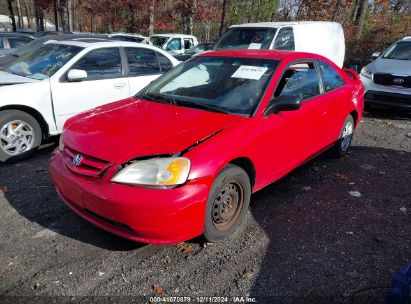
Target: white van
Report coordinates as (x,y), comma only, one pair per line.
(323,38)
(172,43)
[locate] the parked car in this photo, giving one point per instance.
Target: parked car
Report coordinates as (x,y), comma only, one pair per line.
(318,37)
(48,33)
(199,48)
(183,157)
(40,90)
(10,41)
(127,37)
(39,42)
(387,80)
(173,43)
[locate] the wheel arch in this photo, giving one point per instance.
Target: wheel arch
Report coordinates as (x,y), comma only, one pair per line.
(247,165)
(354,115)
(33,112)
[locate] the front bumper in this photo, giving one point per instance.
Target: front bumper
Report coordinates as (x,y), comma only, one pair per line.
(158,216)
(386,96)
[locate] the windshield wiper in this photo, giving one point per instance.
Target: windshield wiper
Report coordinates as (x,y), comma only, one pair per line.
(159,98)
(212,108)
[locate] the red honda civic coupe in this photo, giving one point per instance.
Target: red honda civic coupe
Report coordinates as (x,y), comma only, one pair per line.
(183,156)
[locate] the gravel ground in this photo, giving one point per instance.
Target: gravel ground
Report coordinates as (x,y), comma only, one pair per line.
(333,231)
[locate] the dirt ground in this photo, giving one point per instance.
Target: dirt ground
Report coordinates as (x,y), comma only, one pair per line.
(333,231)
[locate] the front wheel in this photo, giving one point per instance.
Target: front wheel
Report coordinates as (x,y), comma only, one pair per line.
(343,144)
(227,203)
(20,135)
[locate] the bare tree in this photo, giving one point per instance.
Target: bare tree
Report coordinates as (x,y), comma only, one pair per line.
(13,19)
(151,17)
(64,16)
(188,11)
(223,14)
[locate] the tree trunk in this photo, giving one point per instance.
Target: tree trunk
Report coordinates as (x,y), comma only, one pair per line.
(361,17)
(223,14)
(39,17)
(27,14)
(336,10)
(70,13)
(13,19)
(19,14)
(64,16)
(56,19)
(151,18)
(187,13)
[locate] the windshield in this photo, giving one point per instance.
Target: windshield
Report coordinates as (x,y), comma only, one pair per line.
(158,41)
(222,84)
(42,63)
(399,51)
(246,38)
(31,46)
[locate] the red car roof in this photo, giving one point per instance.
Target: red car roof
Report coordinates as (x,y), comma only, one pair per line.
(270,54)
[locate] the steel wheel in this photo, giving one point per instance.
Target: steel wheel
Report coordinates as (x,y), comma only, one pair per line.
(16,137)
(227,205)
(347,136)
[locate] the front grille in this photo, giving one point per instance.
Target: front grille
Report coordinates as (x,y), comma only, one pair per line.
(392,80)
(87,166)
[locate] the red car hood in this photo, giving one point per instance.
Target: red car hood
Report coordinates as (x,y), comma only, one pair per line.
(131,128)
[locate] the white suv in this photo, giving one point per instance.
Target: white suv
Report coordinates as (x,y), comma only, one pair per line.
(40,90)
(387,80)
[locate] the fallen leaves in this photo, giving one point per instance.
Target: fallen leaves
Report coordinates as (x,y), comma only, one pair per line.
(158,289)
(247,275)
(306,188)
(185,248)
(341,176)
(4,189)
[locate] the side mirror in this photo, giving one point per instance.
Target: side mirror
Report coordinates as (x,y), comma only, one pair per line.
(282,103)
(76,75)
(375,55)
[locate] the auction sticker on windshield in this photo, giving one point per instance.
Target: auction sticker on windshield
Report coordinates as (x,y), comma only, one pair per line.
(249,72)
(254,46)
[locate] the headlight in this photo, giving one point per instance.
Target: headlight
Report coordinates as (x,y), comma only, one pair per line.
(366,73)
(61,143)
(170,171)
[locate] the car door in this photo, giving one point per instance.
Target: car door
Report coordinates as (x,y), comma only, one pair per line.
(106,82)
(292,137)
(175,46)
(143,67)
(335,100)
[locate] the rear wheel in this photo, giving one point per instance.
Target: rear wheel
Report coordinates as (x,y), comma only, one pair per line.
(343,144)
(20,135)
(227,204)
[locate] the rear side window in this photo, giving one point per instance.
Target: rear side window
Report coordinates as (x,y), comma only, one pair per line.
(15,42)
(332,80)
(165,63)
(300,81)
(101,64)
(142,62)
(285,39)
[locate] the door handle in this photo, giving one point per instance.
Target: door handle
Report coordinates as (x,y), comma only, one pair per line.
(119,85)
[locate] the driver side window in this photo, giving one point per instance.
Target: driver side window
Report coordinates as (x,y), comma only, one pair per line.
(300,80)
(174,45)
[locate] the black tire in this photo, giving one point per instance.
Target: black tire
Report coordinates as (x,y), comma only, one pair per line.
(343,144)
(8,116)
(231,183)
